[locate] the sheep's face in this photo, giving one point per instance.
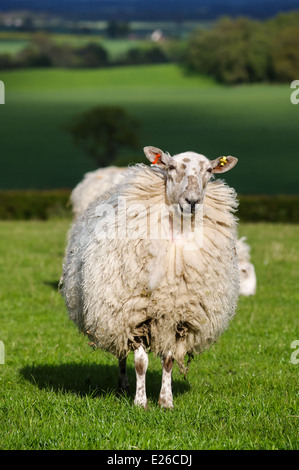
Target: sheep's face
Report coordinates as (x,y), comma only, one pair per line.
(187,175)
(247,278)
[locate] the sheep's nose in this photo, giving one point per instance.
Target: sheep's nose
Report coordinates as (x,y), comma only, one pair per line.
(192,203)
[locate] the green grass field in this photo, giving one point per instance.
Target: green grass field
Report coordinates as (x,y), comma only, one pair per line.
(56,393)
(256,123)
(12,45)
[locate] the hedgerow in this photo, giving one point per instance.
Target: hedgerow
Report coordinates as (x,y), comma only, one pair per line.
(43,205)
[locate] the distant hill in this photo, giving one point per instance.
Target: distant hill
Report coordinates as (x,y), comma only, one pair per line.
(154,10)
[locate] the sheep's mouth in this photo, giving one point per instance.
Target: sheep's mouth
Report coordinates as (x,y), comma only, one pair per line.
(187,209)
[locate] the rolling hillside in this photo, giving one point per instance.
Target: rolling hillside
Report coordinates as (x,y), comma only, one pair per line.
(256,123)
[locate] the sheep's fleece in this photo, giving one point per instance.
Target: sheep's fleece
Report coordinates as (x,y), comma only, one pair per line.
(124,292)
(94,183)
(248,279)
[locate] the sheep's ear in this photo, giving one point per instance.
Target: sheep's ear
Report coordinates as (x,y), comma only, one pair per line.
(223,164)
(156,156)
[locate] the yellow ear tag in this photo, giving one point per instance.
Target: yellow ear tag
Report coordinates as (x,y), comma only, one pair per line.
(223,161)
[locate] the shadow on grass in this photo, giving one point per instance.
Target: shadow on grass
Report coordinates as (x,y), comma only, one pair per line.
(53,284)
(94,380)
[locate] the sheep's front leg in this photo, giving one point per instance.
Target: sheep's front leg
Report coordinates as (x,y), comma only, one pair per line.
(165,398)
(123,383)
(141,363)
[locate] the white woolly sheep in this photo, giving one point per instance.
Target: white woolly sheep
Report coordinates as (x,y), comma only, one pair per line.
(172,294)
(93,185)
(246,269)
(96,183)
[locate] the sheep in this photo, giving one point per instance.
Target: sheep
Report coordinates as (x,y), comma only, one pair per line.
(96,183)
(247,272)
(93,184)
(129,289)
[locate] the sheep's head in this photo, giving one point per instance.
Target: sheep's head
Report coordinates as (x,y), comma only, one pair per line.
(187,175)
(247,278)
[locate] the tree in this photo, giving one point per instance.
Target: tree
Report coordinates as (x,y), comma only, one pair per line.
(142,55)
(6,62)
(93,55)
(242,50)
(43,51)
(233,51)
(103,132)
(285,55)
(37,52)
(117,29)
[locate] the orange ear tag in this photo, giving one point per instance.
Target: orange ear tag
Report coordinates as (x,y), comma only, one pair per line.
(156,159)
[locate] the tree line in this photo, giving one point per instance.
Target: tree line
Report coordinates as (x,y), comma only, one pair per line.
(232,51)
(243,51)
(43,51)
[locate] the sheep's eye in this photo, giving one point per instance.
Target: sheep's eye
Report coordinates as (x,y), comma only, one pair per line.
(171,167)
(209,170)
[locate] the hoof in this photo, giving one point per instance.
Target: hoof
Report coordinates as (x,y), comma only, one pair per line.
(165,404)
(141,404)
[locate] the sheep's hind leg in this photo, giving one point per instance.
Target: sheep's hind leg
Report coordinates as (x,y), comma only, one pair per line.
(123,383)
(141,363)
(165,398)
